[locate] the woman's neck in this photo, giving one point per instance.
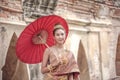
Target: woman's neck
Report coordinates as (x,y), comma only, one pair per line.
(59,46)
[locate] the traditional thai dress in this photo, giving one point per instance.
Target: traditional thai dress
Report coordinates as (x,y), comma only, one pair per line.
(66,71)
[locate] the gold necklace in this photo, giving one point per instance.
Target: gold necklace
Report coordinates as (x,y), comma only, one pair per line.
(59,51)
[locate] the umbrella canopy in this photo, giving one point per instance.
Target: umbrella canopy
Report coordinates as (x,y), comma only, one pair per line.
(36,37)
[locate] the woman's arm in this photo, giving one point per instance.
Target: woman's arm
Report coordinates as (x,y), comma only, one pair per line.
(44,68)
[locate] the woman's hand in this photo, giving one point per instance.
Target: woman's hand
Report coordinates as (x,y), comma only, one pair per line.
(56,64)
(60,61)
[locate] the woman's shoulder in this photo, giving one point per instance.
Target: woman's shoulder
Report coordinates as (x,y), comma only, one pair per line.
(68,51)
(49,49)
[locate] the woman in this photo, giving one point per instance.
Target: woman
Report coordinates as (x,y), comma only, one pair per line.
(59,63)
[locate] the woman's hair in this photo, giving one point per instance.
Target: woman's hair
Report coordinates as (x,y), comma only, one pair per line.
(57,27)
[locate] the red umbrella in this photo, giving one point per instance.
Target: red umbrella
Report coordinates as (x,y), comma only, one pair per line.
(37,36)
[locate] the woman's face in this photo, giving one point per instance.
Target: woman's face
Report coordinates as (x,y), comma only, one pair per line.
(59,36)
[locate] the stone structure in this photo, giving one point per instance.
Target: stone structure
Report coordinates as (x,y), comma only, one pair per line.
(13,68)
(82,63)
(10,10)
(94,26)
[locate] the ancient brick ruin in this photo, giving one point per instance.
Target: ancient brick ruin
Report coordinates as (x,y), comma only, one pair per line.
(94,26)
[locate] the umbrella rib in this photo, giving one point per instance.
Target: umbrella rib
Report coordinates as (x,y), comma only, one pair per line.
(34,28)
(29,28)
(32,53)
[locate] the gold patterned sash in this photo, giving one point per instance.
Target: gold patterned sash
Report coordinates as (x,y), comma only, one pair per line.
(63,78)
(50,77)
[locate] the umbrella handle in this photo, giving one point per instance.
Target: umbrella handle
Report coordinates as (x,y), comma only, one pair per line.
(43,41)
(46,45)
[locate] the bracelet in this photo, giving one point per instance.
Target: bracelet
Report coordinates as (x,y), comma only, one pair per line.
(50,68)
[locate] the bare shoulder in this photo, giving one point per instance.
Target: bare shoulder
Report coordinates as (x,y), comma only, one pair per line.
(67,50)
(48,50)
(52,48)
